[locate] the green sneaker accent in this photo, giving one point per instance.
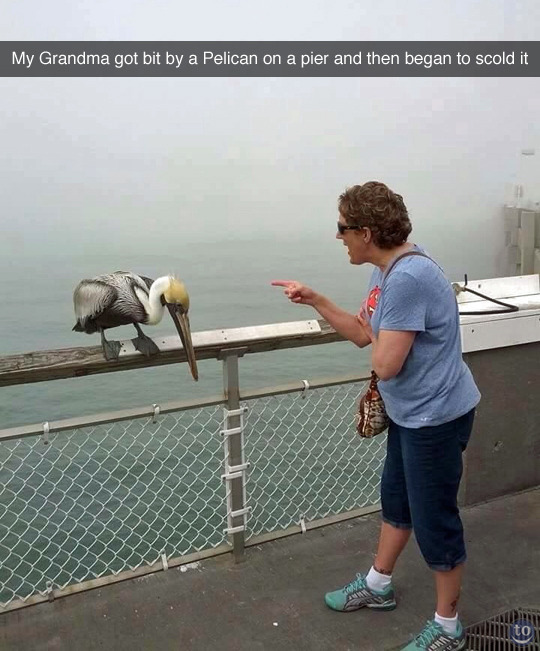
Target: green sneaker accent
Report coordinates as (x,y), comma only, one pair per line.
(433,638)
(357,595)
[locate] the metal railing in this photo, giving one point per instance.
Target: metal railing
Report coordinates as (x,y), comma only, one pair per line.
(90,501)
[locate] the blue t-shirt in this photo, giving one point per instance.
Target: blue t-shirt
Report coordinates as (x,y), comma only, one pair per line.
(434,385)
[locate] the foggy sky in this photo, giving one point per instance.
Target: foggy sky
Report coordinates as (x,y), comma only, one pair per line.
(87,164)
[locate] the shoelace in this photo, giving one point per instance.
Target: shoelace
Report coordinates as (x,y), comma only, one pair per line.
(356,584)
(430,633)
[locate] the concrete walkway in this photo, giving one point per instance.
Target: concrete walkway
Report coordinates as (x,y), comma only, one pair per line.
(273,601)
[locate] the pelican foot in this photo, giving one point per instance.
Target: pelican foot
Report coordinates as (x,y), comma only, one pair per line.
(145,345)
(111,349)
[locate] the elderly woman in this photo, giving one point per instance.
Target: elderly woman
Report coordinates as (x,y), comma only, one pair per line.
(411,320)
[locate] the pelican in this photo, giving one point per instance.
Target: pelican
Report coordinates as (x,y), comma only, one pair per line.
(122,298)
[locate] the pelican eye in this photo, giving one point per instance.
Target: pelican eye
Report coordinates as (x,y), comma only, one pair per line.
(176,293)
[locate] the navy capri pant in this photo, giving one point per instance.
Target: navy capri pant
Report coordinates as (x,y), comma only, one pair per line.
(420,484)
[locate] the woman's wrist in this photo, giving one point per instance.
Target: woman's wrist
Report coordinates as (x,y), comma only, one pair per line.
(319,302)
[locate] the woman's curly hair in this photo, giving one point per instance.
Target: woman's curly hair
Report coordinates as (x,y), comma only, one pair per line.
(375,206)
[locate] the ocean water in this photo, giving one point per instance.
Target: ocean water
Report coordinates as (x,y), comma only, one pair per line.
(229,285)
(98,500)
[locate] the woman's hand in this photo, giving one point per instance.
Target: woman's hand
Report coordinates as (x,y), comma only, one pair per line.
(366,324)
(297,292)
(346,324)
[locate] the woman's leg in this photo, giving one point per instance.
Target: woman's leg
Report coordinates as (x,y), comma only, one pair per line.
(392,542)
(448,585)
(397,523)
(433,467)
(372,590)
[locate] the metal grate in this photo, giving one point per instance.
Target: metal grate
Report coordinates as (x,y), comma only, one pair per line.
(515,629)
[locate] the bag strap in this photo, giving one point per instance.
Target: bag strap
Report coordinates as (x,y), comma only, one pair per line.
(405,255)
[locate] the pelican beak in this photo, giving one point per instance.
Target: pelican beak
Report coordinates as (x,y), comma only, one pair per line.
(181,321)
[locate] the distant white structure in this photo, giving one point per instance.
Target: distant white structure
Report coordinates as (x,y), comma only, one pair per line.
(522,228)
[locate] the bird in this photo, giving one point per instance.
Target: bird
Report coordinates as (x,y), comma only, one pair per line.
(123,298)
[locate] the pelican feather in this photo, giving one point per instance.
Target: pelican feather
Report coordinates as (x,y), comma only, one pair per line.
(124,298)
(110,300)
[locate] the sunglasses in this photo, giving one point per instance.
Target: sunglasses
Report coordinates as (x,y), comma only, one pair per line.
(342,228)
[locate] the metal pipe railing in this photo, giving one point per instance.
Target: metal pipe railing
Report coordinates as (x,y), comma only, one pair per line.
(161,481)
(66,481)
(169,407)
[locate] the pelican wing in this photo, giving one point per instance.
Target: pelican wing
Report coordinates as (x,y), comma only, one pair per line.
(123,280)
(111,300)
(93,297)
(148,282)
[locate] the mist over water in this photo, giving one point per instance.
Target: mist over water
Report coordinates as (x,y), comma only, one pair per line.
(232,182)
(229,183)
(229,286)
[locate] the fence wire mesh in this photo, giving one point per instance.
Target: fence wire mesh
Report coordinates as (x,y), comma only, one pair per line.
(100,500)
(306,459)
(97,501)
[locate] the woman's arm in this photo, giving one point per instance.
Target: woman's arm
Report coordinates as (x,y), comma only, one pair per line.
(389,350)
(346,324)
(343,322)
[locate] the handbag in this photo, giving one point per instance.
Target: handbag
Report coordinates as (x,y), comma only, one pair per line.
(371,417)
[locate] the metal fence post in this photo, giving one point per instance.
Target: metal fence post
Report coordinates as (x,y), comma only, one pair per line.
(234,461)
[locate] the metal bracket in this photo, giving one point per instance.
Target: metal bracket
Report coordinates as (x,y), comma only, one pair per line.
(236,412)
(229,476)
(231,530)
(50,591)
(245,511)
(302,524)
(164,562)
(234,352)
(232,431)
(227,414)
(235,472)
(239,468)
(45,436)
(155,414)
(305,389)
(458,288)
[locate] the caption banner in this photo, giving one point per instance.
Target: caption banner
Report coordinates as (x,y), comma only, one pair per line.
(269,59)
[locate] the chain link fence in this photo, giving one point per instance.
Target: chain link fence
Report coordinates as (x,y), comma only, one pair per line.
(96,501)
(100,500)
(306,462)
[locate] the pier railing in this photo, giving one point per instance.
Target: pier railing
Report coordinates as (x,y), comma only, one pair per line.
(117,496)
(89,501)
(94,500)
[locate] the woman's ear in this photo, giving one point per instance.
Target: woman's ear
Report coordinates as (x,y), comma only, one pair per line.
(366,234)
